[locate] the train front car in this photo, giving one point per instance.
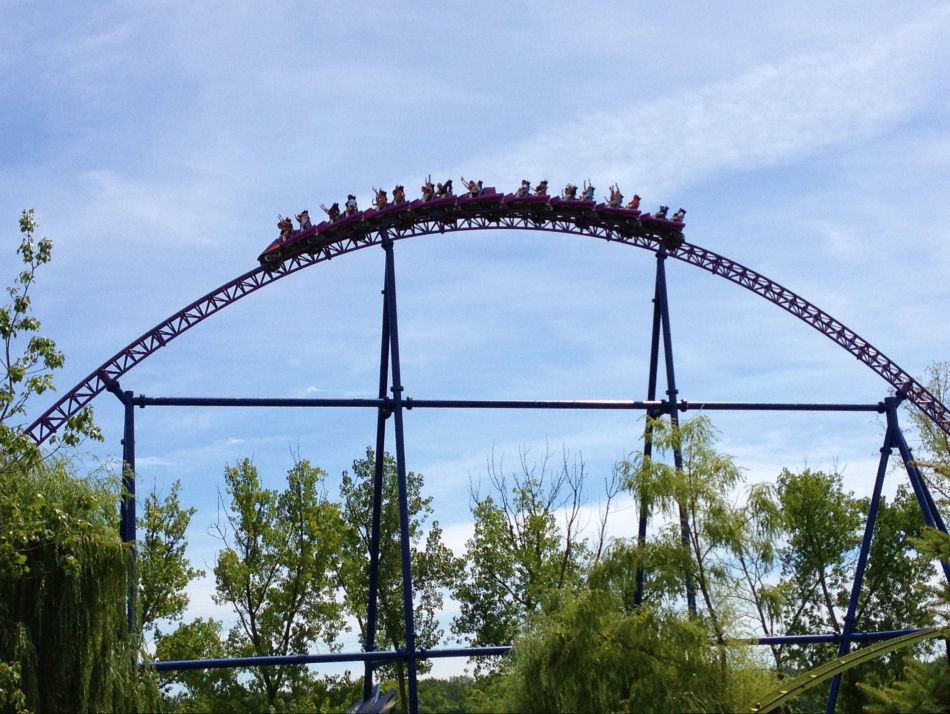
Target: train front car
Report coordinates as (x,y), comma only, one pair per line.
(282,248)
(272,255)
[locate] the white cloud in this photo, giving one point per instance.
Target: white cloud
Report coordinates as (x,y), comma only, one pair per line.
(116,205)
(770,114)
(153,461)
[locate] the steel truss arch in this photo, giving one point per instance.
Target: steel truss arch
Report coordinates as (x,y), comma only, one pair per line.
(605,224)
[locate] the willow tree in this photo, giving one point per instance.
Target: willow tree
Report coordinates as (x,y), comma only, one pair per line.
(598,651)
(63,595)
(64,571)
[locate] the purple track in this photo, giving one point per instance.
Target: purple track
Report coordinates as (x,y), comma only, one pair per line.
(605,224)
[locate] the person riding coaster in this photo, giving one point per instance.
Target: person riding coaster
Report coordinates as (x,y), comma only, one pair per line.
(428,189)
(634,204)
(303,218)
(616,198)
(474,188)
(569,192)
(381,198)
(444,190)
(541,189)
(399,194)
(333,212)
(286,227)
(588,194)
(524,190)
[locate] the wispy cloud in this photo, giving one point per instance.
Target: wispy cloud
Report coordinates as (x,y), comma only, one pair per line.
(156,209)
(770,114)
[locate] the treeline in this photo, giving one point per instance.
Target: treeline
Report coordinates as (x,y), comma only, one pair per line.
(598,624)
(762,560)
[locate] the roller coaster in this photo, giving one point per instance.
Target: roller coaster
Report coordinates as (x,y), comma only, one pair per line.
(482,209)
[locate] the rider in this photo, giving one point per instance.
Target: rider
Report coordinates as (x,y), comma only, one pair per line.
(303,218)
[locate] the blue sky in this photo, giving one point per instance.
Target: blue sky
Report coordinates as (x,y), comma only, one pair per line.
(158,142)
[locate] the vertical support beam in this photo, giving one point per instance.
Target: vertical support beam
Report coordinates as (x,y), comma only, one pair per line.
(382,414)
(674,415)
(648,429)
(844,643)
(402,482)
(127,506)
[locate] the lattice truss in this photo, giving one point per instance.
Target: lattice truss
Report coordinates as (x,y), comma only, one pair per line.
(602,225)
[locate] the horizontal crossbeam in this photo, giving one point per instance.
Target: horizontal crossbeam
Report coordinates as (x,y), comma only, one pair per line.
(495,651)
(660,407)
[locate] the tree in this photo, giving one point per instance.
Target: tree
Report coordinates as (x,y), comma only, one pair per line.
(63,592)
(753,539)
(700,491)
(164,571)
(520,557)
(597,651)
(28,359)
(934,459)
(922,686)
(446,696)
(434,567)
(822,530)
(198,690)
(64,571)
(276,569)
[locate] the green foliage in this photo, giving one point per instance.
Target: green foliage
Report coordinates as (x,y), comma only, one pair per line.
(934,544)
(12,698)
(935,442)
(205,690)
(63,589)
(822,531)
(924,688)
(164,571)
(434,567)
(520,557)
(65,642)
(445,696)
(276,569)
(28,359)
(598,653)
(699,489)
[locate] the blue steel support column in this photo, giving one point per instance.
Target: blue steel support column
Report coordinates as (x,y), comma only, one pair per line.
(401,472)
(127,507)
(845,643)
(674,415)
(648,429)
(381,415)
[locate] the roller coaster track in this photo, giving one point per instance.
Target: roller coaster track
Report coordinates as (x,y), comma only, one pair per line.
(605,224)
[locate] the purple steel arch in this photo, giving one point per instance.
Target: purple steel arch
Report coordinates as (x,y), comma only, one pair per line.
(370,227)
